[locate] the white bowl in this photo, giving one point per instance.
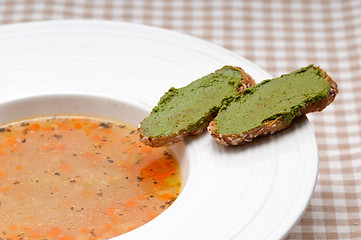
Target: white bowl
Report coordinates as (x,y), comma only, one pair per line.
(257,191)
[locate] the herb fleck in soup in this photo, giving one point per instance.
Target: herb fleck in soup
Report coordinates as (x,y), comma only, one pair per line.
(80,178)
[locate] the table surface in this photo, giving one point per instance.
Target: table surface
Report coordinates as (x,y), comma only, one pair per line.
(279,36)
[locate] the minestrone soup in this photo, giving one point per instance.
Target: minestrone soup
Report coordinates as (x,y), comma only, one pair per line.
(69,177)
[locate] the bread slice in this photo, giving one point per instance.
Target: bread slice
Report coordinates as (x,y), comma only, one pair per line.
(271,105)
(188,110)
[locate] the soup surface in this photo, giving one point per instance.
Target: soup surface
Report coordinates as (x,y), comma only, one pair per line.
(70,178)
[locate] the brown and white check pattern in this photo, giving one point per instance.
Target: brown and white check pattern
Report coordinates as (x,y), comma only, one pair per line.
(280,36)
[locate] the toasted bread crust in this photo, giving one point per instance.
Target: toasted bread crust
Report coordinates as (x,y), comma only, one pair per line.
(247,82)
(273,126)
(177,137)
(174,137)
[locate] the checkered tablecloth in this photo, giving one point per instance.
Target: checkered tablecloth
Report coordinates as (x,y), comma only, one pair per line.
(279,36)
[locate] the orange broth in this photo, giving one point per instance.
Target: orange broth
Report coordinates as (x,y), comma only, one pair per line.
(71,178)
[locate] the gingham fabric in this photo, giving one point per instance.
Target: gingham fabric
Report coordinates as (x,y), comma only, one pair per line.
(279,36)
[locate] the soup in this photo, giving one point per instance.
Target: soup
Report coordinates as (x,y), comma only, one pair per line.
(70,177)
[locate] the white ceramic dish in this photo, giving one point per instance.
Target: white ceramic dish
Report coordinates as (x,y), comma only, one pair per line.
(257,191)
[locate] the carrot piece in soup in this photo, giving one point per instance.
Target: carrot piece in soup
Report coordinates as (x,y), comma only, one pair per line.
(2,173)
(167,196)
(4,189)
(67,238)
(111,212)
(77,126)
(130,204)
(54,232)
(36,235)
(13,227)
(151,215)
(34,127)
(47,129)
(66,167)
(11,140)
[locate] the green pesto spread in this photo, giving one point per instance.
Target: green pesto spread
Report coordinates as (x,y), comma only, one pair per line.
(186,108)
(271,99)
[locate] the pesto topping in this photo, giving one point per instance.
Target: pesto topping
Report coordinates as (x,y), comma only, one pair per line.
(281,97)
(186,108)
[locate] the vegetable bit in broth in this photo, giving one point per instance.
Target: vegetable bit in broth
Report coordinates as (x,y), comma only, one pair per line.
(74,178)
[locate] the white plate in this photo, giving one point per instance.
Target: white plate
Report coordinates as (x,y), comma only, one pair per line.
(256,191)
